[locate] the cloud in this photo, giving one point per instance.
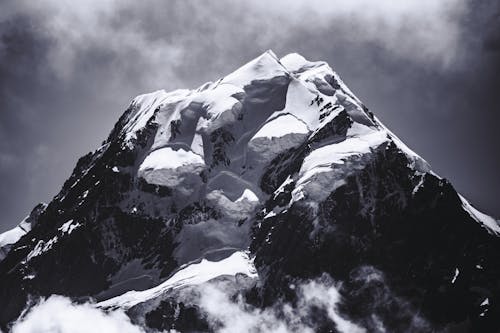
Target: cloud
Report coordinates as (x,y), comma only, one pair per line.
(424,31)
(227,313)
(320,304)
(149,40)
(59,314)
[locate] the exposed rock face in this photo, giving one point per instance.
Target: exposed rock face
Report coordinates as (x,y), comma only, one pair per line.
(270,177)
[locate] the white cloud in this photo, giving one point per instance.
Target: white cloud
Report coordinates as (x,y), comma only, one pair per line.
(58,314)
(227,315)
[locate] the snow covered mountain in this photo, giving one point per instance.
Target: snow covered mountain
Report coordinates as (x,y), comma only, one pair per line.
(259,183)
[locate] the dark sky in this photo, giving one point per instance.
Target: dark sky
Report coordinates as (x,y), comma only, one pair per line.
(429,69)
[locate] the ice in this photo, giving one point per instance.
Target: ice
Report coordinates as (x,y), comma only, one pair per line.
(191,274)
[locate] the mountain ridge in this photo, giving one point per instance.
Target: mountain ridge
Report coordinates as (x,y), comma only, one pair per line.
(278,158)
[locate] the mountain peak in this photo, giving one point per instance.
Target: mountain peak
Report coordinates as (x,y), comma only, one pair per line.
(276,172)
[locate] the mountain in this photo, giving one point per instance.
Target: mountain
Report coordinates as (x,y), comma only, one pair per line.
(272,195)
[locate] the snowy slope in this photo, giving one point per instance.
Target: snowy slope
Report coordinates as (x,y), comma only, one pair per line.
(278,158)
(188,275)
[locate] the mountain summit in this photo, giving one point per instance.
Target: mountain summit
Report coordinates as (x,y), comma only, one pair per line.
(274,186)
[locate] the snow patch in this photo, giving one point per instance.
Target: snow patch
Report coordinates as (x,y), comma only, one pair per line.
(275,137)
(248,195)
(281,126)
(192,274)
(41,247)
(68,227)
(455,276)
(168,158)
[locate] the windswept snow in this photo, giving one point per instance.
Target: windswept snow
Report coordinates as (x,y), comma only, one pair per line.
(281,126)
(488,222)
(146,105)
(264,67)
(191,274)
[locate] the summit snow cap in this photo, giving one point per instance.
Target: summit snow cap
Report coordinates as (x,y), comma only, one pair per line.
(230,130)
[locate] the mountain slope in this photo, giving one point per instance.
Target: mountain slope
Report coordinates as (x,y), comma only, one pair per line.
(279,158)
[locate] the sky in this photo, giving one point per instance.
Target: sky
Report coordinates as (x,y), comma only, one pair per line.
(430,70)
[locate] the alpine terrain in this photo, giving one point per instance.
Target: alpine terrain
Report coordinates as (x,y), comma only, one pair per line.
(270,200)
